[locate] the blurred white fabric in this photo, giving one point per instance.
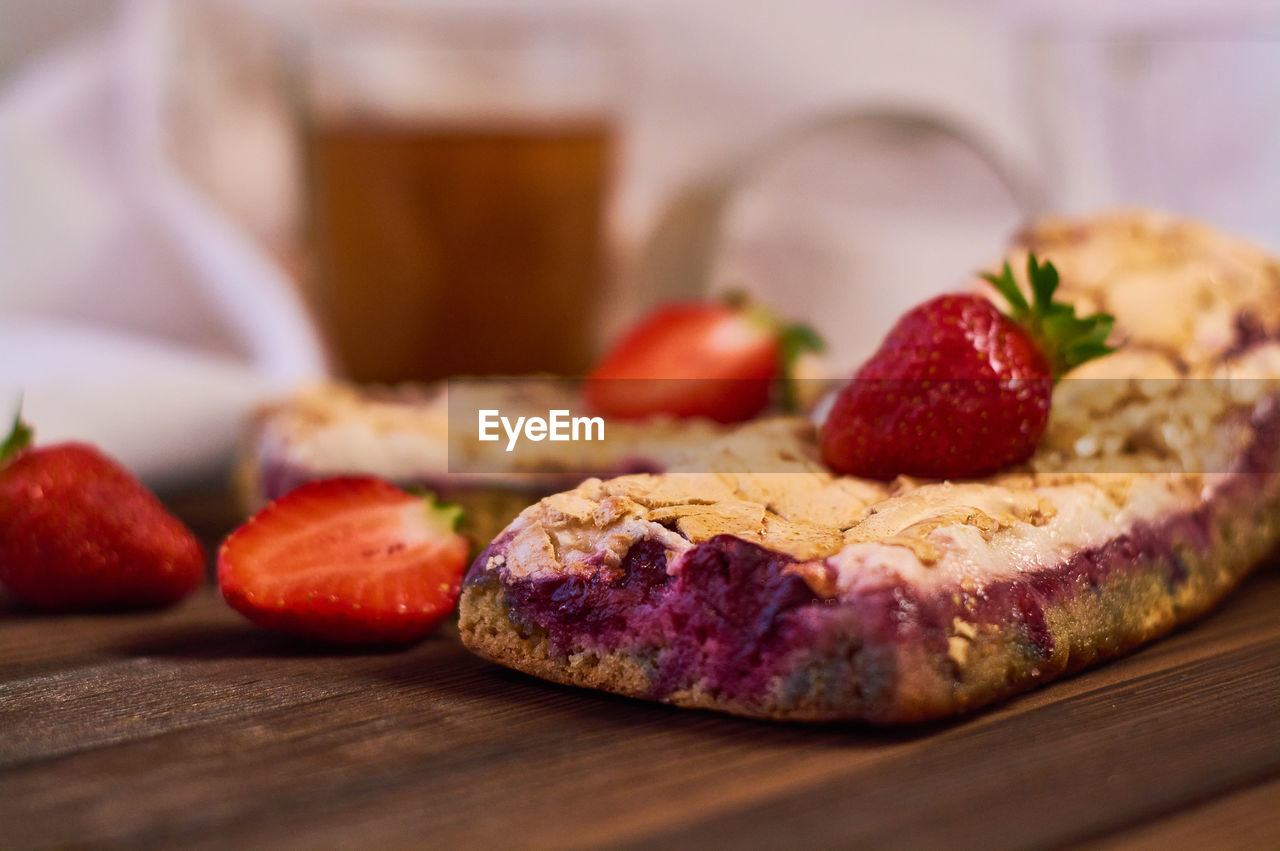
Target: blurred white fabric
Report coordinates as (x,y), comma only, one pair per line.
(144,304)
(134,313)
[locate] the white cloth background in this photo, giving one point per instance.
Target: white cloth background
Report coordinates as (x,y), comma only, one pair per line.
(144,304)
(133,312)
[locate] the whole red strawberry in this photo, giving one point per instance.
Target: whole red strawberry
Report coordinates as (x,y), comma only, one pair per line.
(78,531)
(958,388)
(719,360)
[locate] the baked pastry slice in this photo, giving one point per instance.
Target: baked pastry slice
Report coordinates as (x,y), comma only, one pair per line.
(758,583)
(401,433)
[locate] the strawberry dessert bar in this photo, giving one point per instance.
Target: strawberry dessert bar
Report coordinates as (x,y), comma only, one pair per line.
(763,583)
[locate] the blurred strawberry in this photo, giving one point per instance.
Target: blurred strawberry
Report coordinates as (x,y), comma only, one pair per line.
(719,360)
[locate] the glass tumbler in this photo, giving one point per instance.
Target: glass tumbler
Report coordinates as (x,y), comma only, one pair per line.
(458,170)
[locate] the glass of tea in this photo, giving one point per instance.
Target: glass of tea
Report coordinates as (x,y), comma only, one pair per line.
(458,168)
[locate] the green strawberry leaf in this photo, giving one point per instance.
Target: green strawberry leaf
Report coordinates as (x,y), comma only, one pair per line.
(1067,340)
(446,517)
(19,438)
(793,341)
(1044,283)
(797,339)
(1008,287)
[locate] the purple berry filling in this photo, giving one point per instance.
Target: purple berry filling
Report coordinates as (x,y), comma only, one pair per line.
(1248,333)
(901,614)
(277,477)
(602,607)
(728,618)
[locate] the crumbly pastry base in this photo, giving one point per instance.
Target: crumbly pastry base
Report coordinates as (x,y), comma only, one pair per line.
(924,599)
(894,682)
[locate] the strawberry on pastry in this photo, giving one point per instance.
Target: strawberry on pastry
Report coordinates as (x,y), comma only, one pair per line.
(80,532)
(352,560)
(958,388)
(718,360)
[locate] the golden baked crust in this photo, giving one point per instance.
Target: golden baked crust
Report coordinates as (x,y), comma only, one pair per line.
(1152,493)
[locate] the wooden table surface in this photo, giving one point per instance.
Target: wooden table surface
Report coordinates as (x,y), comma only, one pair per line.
(191,727)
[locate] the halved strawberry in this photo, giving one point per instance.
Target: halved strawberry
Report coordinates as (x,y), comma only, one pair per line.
(719,360)
(353,560)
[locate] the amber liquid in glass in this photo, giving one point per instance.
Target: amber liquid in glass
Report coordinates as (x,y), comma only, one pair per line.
(459,250)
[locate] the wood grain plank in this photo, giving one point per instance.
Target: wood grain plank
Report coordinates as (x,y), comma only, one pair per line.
(672,794)
(39,643)
(192,727)
(1246,819)
(1065,771)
